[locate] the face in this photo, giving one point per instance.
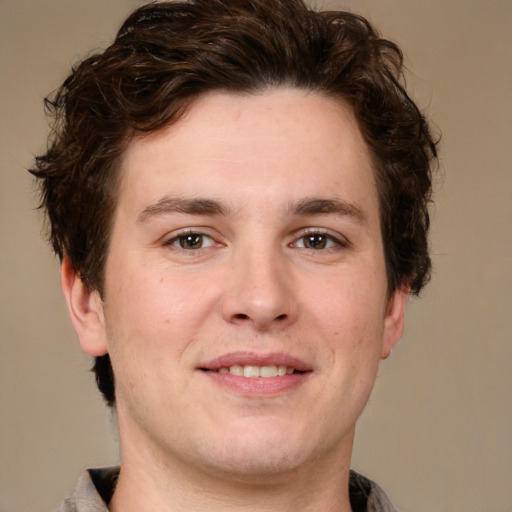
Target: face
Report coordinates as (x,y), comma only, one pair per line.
(246,304)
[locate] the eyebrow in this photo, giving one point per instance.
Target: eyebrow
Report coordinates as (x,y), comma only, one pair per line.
(203,206)
(321,206)
(190,206)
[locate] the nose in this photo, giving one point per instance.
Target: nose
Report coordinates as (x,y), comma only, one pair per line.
(259,291)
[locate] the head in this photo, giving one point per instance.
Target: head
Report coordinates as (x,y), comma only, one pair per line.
(168,55)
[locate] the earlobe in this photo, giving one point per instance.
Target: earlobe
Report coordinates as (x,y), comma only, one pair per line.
(394,321)
(85,309)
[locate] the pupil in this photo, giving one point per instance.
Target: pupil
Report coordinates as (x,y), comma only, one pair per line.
(316,241)
(192,241)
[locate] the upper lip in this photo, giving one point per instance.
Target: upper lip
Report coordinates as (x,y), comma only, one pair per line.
(255,359)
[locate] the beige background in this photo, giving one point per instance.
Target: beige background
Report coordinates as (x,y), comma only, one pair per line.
(437,433)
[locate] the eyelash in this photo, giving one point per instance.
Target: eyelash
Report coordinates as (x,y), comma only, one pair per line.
(175,240)
(331,241)
(337,241)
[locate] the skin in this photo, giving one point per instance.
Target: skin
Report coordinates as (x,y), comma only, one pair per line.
(286,262)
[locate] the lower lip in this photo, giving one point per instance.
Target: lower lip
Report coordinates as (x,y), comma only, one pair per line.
(258,386)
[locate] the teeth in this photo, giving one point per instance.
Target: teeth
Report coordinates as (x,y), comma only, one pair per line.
(268,371)
(251,372)
(236,370)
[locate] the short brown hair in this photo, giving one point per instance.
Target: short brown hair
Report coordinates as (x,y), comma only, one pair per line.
(167,54)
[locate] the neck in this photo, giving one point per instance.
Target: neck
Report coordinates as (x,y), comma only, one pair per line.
(146,484)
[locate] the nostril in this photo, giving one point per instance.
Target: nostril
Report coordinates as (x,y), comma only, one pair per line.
(281,317)
(241,316)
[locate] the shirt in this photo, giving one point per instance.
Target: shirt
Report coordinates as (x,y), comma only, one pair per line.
(96,487)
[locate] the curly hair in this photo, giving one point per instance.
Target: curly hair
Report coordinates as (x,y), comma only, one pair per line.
(167,54)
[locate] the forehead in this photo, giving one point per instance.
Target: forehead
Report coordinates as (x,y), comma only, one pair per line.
(278,142)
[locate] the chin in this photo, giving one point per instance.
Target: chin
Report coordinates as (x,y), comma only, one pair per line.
(256,454)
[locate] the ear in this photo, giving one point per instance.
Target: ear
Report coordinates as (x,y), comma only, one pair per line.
(85,310)
(394,320)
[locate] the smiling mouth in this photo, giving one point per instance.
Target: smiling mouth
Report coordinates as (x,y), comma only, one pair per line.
(251,371)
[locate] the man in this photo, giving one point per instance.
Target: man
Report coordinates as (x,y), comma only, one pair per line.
(238,193)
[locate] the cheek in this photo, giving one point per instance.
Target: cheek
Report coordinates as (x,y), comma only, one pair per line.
(351,316)
(351,307)
(155,311)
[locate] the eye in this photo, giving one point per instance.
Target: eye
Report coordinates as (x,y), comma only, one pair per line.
(191,241)
(317,241)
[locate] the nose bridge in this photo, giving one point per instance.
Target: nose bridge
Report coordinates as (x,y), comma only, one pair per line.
(258,288)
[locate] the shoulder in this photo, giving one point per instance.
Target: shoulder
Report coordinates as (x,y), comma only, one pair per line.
(367,496)
(92,492)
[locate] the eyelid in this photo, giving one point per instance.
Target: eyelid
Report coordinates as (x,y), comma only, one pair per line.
(338,238)
(171,238)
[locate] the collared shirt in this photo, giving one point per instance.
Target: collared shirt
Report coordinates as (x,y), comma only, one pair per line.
(96,487)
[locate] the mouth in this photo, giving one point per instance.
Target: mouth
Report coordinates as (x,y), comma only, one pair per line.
(253,371)
(250,365)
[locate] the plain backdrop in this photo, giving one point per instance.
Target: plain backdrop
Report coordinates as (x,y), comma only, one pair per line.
(437,433)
